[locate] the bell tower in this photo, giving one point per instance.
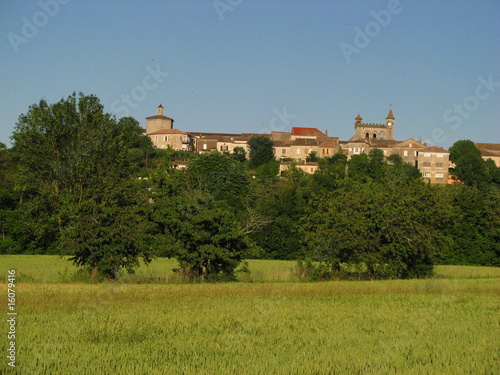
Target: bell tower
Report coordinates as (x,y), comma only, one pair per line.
(158,122)
(389,123)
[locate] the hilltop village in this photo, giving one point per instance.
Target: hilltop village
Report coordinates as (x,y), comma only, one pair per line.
(293,147)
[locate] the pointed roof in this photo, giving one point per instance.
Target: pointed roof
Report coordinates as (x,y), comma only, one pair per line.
(436,149)
(390,116)
(358,117)
(412,142)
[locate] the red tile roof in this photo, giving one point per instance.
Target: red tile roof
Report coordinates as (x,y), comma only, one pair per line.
(307,132)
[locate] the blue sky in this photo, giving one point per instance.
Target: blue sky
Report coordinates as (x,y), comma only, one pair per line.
(260,65)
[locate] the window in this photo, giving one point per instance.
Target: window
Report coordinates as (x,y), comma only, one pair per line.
(405,152)
(283,151)
(426,164)
(439,165)
(298,151)
(382,135)
(439,175)
(427,155)
(312,170)
(426,175)
(204,146)
(440,155)
(374,135)
(166,139)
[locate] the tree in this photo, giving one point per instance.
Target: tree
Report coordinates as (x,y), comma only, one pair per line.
(106,238)
(73,159)
(357,167)
(375,164)
(312,157)
(392,232)
(398,171)
(261,150)
(470,167)
(202,235)
(240,154)
(219,175)
(475,229)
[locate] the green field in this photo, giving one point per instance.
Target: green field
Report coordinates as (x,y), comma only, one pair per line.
(270,324)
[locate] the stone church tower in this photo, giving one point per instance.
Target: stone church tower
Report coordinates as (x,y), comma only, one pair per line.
(370,132)
(158,122)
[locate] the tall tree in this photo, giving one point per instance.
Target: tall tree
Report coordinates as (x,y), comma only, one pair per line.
(72,156)
(261,150)
(202,234)
(219,175)
(393,232)
(470,167)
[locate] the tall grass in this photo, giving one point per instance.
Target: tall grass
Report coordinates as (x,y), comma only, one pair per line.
(55,269)
(376,327)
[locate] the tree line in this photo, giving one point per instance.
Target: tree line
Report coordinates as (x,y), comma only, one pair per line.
(80,182)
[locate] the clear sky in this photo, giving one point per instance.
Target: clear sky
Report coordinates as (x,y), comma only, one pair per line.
(260,65)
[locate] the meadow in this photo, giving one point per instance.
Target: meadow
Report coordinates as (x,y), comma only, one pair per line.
(269,323)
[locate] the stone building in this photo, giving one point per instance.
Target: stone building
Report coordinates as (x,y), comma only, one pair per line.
(160,129)
(370,132)
(434,164)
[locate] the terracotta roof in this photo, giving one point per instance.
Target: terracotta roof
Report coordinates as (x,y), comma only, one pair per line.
(328,144)
(390,116)
(159,117)
(488,146)
(382,143)
(168,131)
(310,163)
(435,149)
(411,143)
(307,131)
(490,153)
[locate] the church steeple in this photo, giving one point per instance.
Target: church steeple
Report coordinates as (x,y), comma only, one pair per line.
(390,116)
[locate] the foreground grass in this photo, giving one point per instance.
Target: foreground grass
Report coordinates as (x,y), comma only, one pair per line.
(54,269)
(269,324)
(377,327)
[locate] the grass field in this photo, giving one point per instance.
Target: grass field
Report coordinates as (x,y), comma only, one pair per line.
(271,325)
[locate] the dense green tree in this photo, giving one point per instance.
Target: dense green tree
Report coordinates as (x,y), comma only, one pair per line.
(475,229)
(283,203)
(106,238)
(375,164)
(470,167)
(12,229)
(331,172)
(393,232)
(240,154)
(312,157)
(202,234)
(261,150)
(73,156)
(398,171)
(357,167)
(219,175)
